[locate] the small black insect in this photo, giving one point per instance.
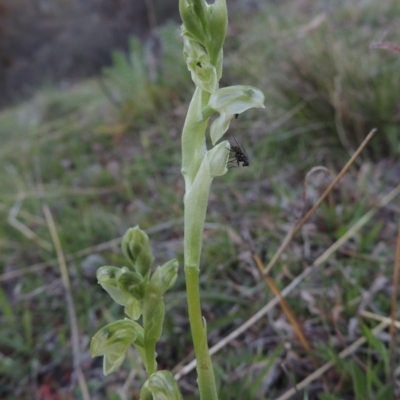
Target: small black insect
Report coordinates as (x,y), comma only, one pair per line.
(239,156)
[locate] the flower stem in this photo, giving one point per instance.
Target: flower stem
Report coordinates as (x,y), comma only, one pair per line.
(197,181)
(205,372)
(151,362)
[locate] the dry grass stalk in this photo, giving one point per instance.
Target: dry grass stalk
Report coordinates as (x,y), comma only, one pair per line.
(380,318)
(69,302)
(28,233)
(283,303)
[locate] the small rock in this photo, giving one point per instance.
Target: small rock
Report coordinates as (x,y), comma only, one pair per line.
(91,264)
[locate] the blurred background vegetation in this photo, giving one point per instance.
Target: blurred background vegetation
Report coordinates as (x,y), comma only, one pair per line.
(103,153)
(45,41)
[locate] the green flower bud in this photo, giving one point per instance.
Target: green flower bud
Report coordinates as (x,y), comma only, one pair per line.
(136,248)
(204,74)
(112,342)
(229,102)
(217,23)
(161,386)
(164,277)
(193,14)
(206,24)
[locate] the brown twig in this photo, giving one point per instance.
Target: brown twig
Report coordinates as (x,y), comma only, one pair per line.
(283,303)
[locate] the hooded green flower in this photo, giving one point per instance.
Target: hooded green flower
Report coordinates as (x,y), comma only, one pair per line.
(204,74)
(229,102)
(113,340)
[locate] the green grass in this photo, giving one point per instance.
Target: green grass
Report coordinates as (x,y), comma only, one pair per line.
(326,73)
(103,167)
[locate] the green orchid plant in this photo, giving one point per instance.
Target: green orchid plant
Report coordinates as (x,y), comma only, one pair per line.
(203,30)
(141,294)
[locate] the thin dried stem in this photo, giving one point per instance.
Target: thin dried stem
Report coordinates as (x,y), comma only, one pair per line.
(28,233)
(283,303)
(69,302)
(380,318)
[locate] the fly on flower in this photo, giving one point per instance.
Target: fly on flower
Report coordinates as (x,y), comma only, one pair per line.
(239,156)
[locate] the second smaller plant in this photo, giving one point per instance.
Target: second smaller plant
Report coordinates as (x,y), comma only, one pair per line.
(141,294)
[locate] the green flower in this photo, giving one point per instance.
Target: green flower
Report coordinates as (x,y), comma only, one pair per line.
(161,386)
(113,340)
(206,24)
(124,286)
(229,102)
(213,164)
(204,74)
